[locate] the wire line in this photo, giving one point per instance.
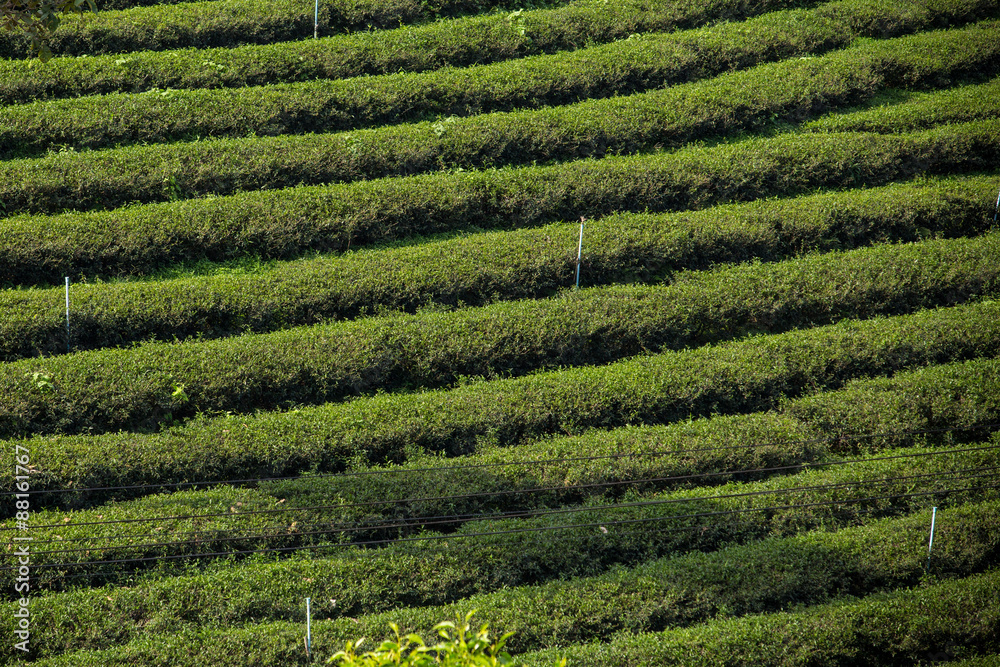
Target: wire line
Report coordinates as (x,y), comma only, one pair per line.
(360,473)
(524,514)
(502,532)
(561,488)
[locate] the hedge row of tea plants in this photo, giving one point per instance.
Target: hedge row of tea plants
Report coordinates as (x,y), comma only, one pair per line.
(229,23)
(978,661)
(287,223)
(919,110)
(227,521)
(456,43)
(883,630)
(907,409)
(759,577)
(622,68)
(132,388)
(741,376)
(478,268)
(906,622)
(108,5)
(742,101)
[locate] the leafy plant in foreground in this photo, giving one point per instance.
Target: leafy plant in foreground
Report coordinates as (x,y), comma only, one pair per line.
(465,649)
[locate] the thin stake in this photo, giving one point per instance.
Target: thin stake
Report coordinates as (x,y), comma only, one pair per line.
(931,543)
(997,207)
(579,254)
(67,314)
(308,629)
(316,22)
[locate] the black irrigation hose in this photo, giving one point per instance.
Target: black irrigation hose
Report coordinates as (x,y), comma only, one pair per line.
(525,514)
(507,532)
(360,473)
(571,487)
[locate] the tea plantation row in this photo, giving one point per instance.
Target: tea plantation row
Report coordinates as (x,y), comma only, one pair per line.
(462,42)
(920,110)
(897,629)
(682,590)
(473,269)
(622,68)
(133,388)
(288,223)
(790,90)
(217,23)
(741,376)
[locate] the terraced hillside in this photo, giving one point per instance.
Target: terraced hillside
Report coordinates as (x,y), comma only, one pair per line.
(656,331)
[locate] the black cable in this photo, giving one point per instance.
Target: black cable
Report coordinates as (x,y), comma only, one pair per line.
(361,473)
(571,487)
(521,514)
(877,513)
(464,518)
(505,532)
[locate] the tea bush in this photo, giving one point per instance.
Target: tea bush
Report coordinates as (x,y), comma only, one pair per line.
(476,269)
(919,110)
(458,43)
(216,23)
(621,68)
(737,377)
(895,629)
(750,101)
(288,223)
(134,388)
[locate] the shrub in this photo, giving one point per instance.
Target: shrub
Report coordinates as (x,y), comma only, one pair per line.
(751,101)
(415,48)
(287,223)
(467,648)
(918,110)
(901,628)
(136,388)
(530,263)
(741,376)
(215,23)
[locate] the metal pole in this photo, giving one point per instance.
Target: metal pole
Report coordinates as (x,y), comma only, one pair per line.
(308,628)
(997,207)
(67,314)
(931,543)
(579,254)
(316,22)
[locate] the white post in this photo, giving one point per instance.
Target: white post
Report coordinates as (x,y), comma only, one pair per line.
(316,22)
(931,543)
(579,254)
(997,207)
(308,629)
(67,314)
